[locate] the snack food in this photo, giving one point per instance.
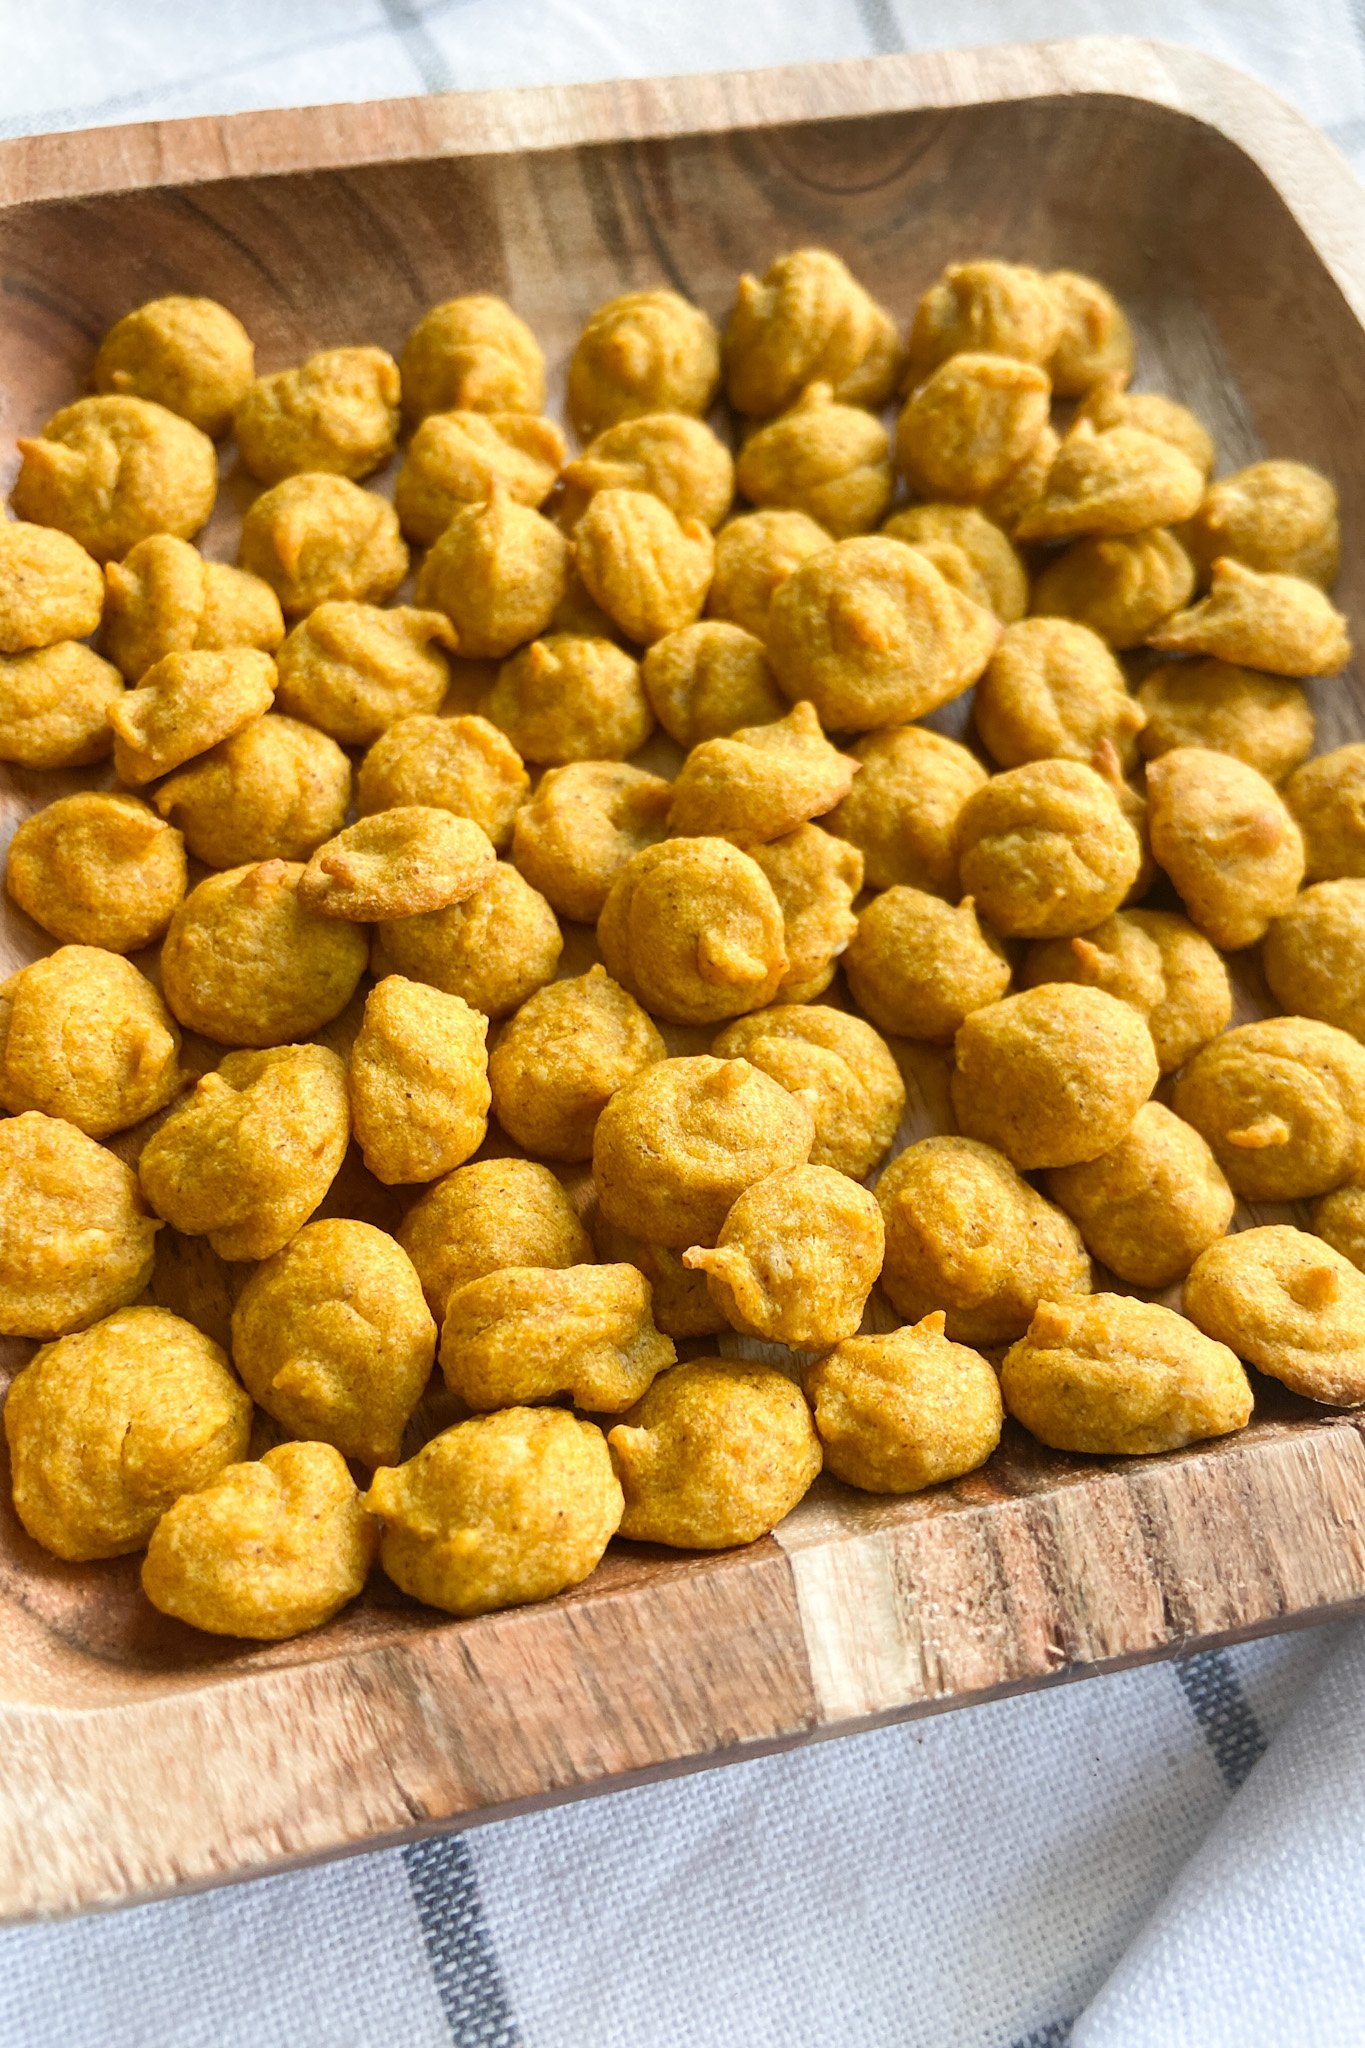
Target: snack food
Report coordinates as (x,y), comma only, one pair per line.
(164,598)
(1095,346)
(472,354)
(796,1258)
(1327,799)
(581,827)
(1224,836)
(76,1239)
(840,1069)
(54,706)
(760,781)
(1281,1102)
(569,697)
(84,1036)
(1314,956)
(669,454)
(1154,960)
(807,318)
(970,424)
(1290,1305)
(755,554)
(464,765)
(681,1303)
(645,352)
(1273,516)
(709,679)
(693,930)
(830,461)
(989,567)
(1110,404)
(189,354)
(397,863)
(561,1058)
(495,948)
(318,537)
(1339,1218)
(815,878)
(109,471)
(529,1333)
(274,791)
(97,869)
(185,704)
(903,808)
(1122,586)
(337,412)
(1265,621)
(497,572)
(1149,1207)
(1259,719)
(1045,850)
(245,962)
(50,588)
(649,570)
(457,458)
(1052,689)
(904,1411)
(990,307)
(353,669)
(493,1213)
(418,1081)
(918,966)
(1114,480)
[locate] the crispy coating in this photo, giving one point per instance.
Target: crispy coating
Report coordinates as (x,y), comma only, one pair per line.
(1121,586)
(497,572)
(582,826)
(1053,690)
(562,1057)
(1281,1102)
(267,1549)
(97,869)
(807,320)
(967,1235)
(1122,1378)
(838,1066)
(648,570)
(1314,956)
(396,864)
(717,1453)
(245,962)
(1154,960)
(1023,488)
(796,1258)
(164,598)
(830,461)
(108,1426)
(418,1081)
(970,424)
(185,704)
(248,1157)
(755,554)
(1280,623)
(908,1410)
(84,1036)
(1147,1208)
(1327,799)
(318,537)
(1095,345)
(498,1511)
(571,698)
(873,635)
(109,471)
(693,929)
(669,454)
(902,810)
(273,791)
(642,353)
(1110,404)
(985,307)
(1339,1217)
(457,458)
(533,1333)
(76,1239)
(332,1336)
(918,966)
(472,354)
(1053,1075)
(1290,1305)
(1114,480)
(679,1142)
(681,1303)
(494,949)
(994,573)
(50,588)
(354,669)
(761,781)
(1262,720)
(709,679)
(493,1213)
(1273,516)
(815,878)
(191,355)
(54,706)
(464,765)
(1227,841)
(337,412)
(1046,851)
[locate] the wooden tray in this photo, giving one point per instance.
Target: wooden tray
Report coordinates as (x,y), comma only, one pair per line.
(137,1758)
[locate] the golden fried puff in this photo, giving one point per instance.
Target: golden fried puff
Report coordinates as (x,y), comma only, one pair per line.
(493,1213)
(918,966)
(761,781)
(317,537)
(1022,490)
(755,554)
(839,1067)
(969,426)
(531,1333)
(669,454)
(497,572)
(1278,517)
(464,765)
(968,1235)
(397,863)
(678,1143)
(581,827)
(354,669)
(273,791)
(1122,1378)
(1283,624)
(84,1036)
(903,808)
(717,1453)
(561,1058)
(693,930)
(498,1511)
(1290,1305)
(1045,850)
(997,575)
(1339,1217)
(418,1080)
(109,471)
(472,354)
(1052,1076)
(708,680)
(815,878)
(268,1549)
(76,1238)
(647,569)
(1122,586)
(97,869)
(807,320)
(495,948)
(1154,960)
(1314,956)
(796,1258)
(1259,719)
(1327,799)
(336,413)
(458,458)
(1111,404)
(247,1158)
(108,1426)
(645,352)
(1148,1208)
(1113,480)
(333,1337)
(1052,690)
(986,307)
(54,706)
(1095,345)
(189,354)
(904,1411)
(1281,1102)
(1224,836)
(681,1304)
(246,963)
(164,598)
(185,704)
(570,697)
(50,588)
(830,461)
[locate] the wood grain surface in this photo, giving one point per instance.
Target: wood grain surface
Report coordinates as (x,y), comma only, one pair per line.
(137,1757)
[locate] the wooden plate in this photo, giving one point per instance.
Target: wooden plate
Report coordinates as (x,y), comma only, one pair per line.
(136,1757)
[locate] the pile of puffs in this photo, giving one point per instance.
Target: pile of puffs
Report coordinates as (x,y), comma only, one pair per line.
(320,906)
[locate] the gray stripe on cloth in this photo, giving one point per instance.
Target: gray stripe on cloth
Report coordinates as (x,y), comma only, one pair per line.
(464,1965)
(880,26)
(428,58)
(1055,2034)
(1215,1697)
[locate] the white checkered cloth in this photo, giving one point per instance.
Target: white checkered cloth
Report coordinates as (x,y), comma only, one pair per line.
(1172,1857)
